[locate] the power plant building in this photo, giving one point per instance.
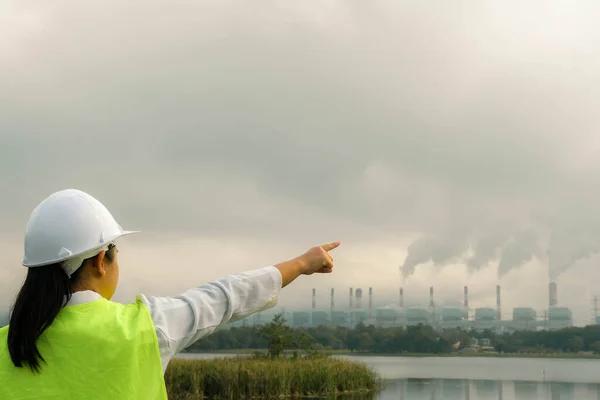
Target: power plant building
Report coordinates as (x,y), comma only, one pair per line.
(300,318)
(320,318)
(389,316)
(416,315)
(341,318)
(486,314)
(524,314)
(560,317)
(452,314)
(354,312)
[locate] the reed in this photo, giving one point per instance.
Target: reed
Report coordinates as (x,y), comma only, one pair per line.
(252,377)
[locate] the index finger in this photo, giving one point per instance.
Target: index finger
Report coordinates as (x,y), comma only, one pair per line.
(330,246)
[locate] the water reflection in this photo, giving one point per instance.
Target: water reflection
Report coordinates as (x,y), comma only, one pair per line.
(462,389)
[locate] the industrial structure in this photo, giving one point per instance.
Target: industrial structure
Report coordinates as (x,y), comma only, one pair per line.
(438,316)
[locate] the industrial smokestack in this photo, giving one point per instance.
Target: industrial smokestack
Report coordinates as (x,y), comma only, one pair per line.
(314,299)
(370,302)
(466,297)
(351,296)
(332,299)
(431,296)
(358,298)
(498,303)
(553,294)
(432,305)
(401,298)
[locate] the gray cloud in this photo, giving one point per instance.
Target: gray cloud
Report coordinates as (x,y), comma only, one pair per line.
(464,127)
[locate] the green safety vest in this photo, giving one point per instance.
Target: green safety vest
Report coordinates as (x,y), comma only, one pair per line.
(94,351)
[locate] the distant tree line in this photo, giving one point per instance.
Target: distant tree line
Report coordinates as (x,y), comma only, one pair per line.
(412,339)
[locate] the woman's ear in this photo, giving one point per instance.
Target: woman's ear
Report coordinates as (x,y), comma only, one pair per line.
(98,264)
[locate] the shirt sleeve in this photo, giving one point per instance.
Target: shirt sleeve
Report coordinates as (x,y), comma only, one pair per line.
(180,321)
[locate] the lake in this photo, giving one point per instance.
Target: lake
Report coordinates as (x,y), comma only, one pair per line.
(479,378)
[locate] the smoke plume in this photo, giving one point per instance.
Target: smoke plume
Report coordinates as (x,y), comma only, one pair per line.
(509,251)
(575,234)
(439,251)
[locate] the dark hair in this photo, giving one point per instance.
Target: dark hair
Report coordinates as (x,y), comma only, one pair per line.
(44,293)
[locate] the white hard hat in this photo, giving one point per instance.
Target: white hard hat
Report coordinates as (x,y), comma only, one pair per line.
(68,227)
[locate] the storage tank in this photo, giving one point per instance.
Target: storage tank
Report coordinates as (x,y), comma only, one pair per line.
(485,314)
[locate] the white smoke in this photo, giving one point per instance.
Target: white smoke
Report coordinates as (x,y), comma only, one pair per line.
(510,251)
(575,233)
(485,251)
(439,251)
(522,248)
(571,235)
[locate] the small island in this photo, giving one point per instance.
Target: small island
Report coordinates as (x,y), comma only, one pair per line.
(290,367)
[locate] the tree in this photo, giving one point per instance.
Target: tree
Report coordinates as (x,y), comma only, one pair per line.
(576,344)
(304,341)
(365,341)
(353,341)
(595,347)
(228,340)
(279,336)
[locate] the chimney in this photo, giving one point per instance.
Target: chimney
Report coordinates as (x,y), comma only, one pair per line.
(498,304)
(432,305)
(358,293)
(370,302)
(314,299)
(466,297)
(401,298)
(332,298)
(553,295)
(351,295)
(431,296)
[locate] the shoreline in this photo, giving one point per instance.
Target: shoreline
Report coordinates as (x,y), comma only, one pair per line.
(416,355)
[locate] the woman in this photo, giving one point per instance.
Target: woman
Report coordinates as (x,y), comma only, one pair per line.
(67,340)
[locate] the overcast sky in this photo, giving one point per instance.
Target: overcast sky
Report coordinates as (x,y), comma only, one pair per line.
(456,142)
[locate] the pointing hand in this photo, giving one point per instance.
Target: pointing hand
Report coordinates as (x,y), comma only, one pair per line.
(318,259)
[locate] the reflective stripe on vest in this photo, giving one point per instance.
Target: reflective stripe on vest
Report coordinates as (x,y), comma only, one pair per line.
(94,351)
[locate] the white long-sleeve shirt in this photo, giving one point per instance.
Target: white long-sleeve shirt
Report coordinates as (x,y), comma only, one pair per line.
(180,321)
